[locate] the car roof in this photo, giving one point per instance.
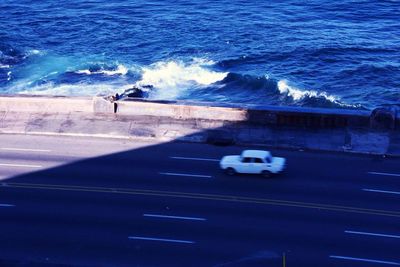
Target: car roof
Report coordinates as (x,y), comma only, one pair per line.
(255,154)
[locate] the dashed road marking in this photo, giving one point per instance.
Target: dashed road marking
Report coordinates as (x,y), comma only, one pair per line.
(161,239)
(174,217)
(371,234)
(365,260)
(381,191)
(185,174)
(25,149)
(20,165)
(385,174)
(199,159)
(6,205)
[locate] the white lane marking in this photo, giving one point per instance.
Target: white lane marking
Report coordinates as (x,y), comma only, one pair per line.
(381,191)
(384,173)
(364,260)
(174,217)
(185,174)
(161,239)
(25,149)
(6,205)
(20,165)
(200,159)
(371,234)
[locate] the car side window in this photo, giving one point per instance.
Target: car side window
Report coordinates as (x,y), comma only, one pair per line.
(268,159)
(258,160)
(246,160)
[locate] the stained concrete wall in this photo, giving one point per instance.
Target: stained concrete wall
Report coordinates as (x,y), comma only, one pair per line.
(253,114)
(290,127)
(181,110)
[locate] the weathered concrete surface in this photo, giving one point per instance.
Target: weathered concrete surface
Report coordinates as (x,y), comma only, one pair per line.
(277,127)
(179,111)
(45,104)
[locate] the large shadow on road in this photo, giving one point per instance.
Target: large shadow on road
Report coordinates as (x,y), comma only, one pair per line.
(80,200)
(70,229)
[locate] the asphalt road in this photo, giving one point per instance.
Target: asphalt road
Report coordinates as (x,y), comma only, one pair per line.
(102,202)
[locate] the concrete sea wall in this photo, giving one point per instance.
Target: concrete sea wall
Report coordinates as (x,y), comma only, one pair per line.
(376,132)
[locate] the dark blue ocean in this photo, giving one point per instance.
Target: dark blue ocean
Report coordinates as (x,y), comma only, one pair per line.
(316,53)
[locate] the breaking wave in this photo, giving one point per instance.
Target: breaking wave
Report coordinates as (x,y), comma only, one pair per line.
(172,78)
(307,96)
(265,90)
(298,94)
(62,76)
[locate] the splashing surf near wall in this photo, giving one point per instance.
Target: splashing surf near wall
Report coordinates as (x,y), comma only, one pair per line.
(40,73)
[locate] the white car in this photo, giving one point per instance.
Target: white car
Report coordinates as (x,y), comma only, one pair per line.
(253,161)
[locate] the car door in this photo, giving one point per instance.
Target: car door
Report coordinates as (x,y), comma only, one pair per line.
(268,163)
(245,165)
(258,165)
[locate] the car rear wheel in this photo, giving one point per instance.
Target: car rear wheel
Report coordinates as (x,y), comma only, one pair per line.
(230,171)
(266,174)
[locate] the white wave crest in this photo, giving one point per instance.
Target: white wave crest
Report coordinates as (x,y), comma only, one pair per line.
(121,70)
(298,94)
(172,78)
(4,66)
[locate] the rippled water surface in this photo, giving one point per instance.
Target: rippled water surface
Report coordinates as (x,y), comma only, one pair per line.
(302,53)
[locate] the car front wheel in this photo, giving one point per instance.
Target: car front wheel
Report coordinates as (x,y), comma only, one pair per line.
(230,171)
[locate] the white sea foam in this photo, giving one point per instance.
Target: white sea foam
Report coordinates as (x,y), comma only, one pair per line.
(169,80)
(173,78)
(35,52)
(87,72)
(4,66)
(71,89)
(121,70)
(202,61)
(9,76)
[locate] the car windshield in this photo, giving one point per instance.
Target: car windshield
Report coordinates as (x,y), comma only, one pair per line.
(268,159)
